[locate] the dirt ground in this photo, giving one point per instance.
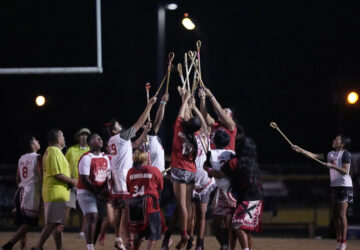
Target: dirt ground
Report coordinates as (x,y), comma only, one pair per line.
(72,242)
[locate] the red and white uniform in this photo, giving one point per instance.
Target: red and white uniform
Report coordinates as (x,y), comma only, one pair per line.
(224,203)
(202,179)
(182,150)
(121,162)
(157,154)
(232,133)
(96,167)
(145,181)
(30,199)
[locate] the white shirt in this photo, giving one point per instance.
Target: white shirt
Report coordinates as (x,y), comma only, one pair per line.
(337,179)
(201,177)
(217,160)
(27,169)
(121,161)
(157,154)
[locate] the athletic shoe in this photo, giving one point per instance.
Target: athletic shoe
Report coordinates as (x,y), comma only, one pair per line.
(166,243)
(8,246)
(101,239)
(338,245)
(81,235)
(190,243)
(343,246)
(182,242)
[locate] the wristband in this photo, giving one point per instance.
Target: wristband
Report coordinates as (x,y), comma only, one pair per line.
(211,96)
(162,102)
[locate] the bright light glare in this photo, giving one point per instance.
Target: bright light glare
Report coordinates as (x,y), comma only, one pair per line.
(172,6)
(40,100)
(352,97)
(188,24)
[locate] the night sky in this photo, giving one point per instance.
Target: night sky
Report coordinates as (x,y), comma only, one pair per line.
(291,62)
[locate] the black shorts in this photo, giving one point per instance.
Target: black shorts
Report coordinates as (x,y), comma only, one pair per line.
(342,194)
(182,176)
(20,218)
(153,229)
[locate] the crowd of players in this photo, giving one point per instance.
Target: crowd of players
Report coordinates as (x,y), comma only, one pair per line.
(120,181)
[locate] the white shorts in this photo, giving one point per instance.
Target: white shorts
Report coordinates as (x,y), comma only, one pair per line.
(89,204)
(54,212)
(72,202)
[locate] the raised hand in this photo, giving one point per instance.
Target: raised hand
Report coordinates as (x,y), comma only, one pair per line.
(152,100)
(165,97)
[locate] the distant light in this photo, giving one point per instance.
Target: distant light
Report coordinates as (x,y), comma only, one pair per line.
(40,100)
(188,24)
(172,6)
(352,97)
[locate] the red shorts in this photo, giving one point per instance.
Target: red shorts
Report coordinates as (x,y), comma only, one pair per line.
(119,200)
(247,215)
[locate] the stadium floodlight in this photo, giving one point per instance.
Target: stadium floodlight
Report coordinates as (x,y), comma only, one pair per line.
(187,23)
(66,70)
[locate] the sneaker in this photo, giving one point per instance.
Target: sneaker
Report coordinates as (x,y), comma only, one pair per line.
(101,239)
(343,246)
(182,242)
(338,245)
(190,243)
(166,243)
(81,235)
(8,246)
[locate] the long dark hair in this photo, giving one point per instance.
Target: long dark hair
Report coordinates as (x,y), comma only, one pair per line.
(247,162)
(189,128)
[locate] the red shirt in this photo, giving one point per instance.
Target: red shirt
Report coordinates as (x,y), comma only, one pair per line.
(232,133)
(145,180)
(95,166)
(182,150)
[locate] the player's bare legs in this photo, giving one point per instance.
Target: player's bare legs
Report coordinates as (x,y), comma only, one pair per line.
(243,238)
(232,233)
(180,191)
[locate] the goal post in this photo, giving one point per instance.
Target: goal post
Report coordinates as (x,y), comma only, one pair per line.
(66,70)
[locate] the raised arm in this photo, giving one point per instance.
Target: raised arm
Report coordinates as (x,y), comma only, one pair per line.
(198,113)
(308,153)
(145,114)
(208,119)
(142,137)
(160,112)
(226,119)
(184,106)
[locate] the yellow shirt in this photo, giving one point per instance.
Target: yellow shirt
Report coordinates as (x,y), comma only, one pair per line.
(54,162)
(73,155)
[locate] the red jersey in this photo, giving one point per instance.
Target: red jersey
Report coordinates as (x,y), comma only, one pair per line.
(182,150)
(232,133)
(96,166)
(145,180)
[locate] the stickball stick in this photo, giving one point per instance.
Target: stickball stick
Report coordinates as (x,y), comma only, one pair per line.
(170,66)
(179,69)
(147,87)
(274,126)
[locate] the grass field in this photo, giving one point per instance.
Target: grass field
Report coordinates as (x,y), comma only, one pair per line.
(72,242)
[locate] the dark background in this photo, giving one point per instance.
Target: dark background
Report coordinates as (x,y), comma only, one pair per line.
(291,62)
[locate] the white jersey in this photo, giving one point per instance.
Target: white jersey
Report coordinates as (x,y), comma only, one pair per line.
(27,169)
(337,179)
(217,160)
(157,154)
(201,177)
(121,162)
